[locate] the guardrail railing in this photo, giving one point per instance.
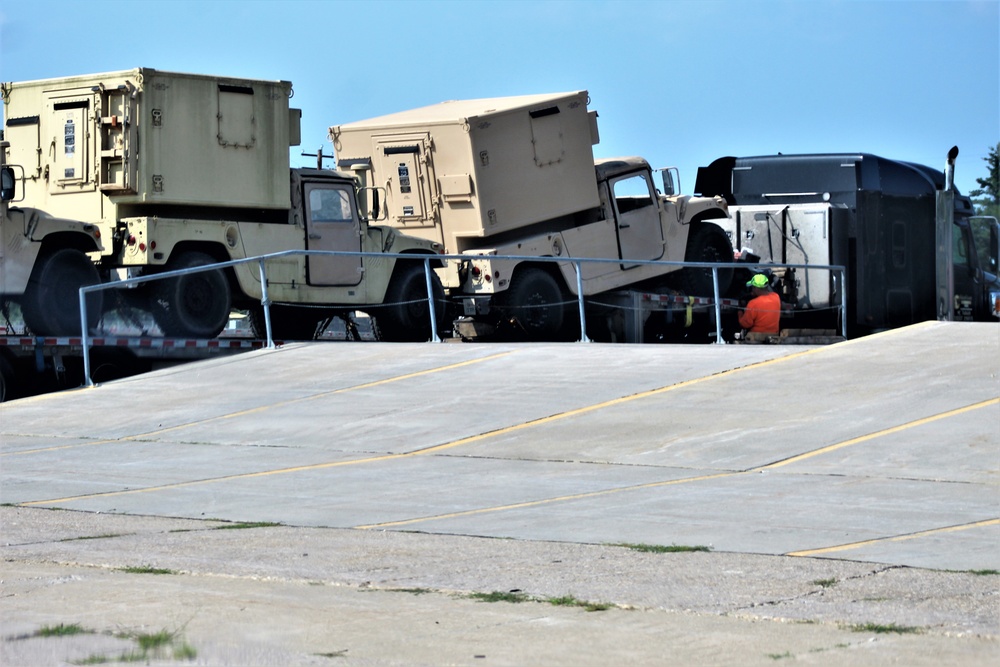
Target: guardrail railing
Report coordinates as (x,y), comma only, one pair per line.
(577,263)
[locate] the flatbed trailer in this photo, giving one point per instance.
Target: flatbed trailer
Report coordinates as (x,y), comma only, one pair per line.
(31,365)
(676,318)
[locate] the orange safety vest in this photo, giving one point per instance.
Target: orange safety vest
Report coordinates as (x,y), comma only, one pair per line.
(762,314)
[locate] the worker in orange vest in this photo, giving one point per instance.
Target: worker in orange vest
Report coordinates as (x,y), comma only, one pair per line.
(763,312)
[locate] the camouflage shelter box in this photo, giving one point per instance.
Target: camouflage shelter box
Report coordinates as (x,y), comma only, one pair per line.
(478,168)
(90,144)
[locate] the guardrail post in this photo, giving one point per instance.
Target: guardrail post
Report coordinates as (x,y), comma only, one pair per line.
(432,311)
(718,307)
(265,303)
(843,303)
(85,337)
(579,300)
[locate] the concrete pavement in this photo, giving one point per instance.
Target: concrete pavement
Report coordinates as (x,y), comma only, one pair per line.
(869,466)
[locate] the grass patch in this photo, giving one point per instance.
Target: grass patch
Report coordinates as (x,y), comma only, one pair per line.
(62,630)
(146,569)
(561,601)
(162,645)
(886,628)
(564,601)
(243,525)
(662,549)
(411,591)
(500,596)
(824,583)
(779,656)
(93,537)
(333,654)
(570,601)
(823,650)
(155,641)
(984,573)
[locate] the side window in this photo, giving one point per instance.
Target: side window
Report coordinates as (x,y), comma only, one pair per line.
(330,205)
(7,189)
(632,193)
(960,246)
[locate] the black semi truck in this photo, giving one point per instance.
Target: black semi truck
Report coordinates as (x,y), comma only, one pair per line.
(911,244)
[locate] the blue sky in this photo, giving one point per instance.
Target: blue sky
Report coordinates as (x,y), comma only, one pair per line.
(678,82)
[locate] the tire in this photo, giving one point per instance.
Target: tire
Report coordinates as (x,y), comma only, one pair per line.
(7,392)
(192,306)
(535,304)
(406,315)
(707,243)
(287,322)
(51,303)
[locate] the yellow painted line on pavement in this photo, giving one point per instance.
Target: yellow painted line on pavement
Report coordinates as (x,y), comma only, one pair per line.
(895,538)
(637,487)
(56,448)
(576,412)
(879,434)
(263,408)
(311,397)
(511,429)
(213,480)
(546,501)
(424,451)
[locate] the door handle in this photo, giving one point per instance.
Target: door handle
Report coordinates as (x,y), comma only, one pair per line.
(315,236)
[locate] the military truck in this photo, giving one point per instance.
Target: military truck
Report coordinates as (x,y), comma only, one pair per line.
(171,171)
(886,221)
(516,176)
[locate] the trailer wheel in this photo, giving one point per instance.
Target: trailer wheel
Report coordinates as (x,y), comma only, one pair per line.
(405,317)
(707,243)
(51,303)
(535,304)
(193,306)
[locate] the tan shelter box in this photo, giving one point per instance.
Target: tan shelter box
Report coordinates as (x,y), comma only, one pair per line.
(144,137)
(478,168)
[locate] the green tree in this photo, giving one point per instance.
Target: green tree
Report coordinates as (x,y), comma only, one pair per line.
(988,192)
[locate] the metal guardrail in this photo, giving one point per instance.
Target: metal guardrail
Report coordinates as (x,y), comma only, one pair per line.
(577,263)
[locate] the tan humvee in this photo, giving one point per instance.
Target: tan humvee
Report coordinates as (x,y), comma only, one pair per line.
(179,170)
(517,176)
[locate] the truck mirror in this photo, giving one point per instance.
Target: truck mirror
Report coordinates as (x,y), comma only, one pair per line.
(7,184)
(370,202)
(671,181)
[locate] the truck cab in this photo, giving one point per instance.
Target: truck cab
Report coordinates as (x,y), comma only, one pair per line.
(976,258)
(44,261)
(879,218)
